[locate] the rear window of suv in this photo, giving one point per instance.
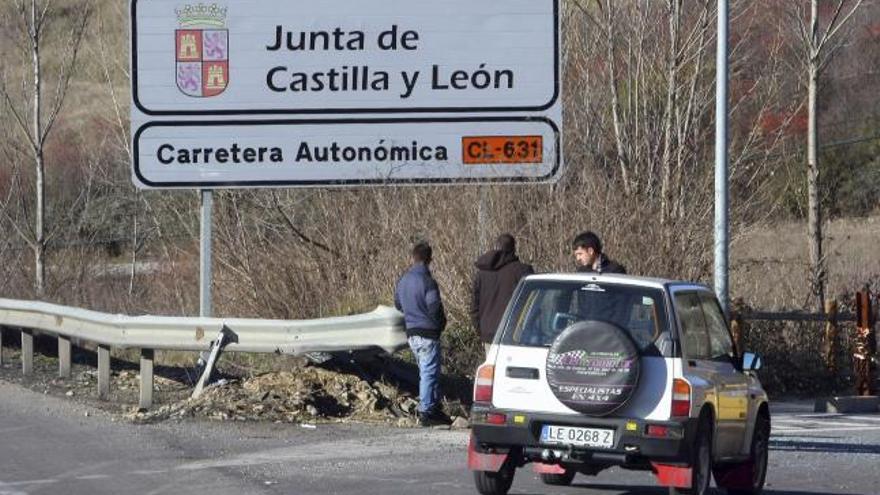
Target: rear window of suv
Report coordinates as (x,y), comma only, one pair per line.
(544,309)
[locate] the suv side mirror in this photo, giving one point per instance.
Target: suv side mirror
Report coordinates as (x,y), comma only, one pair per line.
(751,361)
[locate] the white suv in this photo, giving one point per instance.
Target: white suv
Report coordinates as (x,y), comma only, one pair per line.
(592,371)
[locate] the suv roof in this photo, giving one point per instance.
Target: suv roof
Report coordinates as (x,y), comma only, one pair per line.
(658,283)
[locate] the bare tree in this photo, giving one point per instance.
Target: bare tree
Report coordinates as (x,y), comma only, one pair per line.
(640,100)
(819,42)
(34,114)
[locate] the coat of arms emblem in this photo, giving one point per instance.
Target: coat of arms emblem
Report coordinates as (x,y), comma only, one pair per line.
(202,50)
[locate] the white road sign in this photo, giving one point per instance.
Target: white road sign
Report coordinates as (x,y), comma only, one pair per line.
(252,153)
(450,75)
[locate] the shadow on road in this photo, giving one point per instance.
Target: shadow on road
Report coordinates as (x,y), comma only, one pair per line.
(657,490)
(798,492)
(824,447)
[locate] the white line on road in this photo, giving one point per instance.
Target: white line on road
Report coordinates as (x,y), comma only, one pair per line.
(15,428)
(811,424)
(29,482)
(821,430)
(873,419)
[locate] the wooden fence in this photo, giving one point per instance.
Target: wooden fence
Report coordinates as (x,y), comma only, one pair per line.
(864,343)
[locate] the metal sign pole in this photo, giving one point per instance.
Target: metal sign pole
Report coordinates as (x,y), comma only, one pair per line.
(721,205)
(205,275)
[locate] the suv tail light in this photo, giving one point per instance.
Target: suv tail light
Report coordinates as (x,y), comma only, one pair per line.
(681,398)
(483,383)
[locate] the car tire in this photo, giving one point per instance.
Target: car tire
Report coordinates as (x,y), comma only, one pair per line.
(563,479)
(701,461)
(757,463)
(492,483)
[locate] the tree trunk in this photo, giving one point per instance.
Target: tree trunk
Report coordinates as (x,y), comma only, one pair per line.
(483,220)
(666,192)
(622,159)
(39,246)
(814,212)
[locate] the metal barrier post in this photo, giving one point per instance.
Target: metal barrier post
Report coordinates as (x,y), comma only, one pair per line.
(27,351)
(1,346)
(737,324)
(862,347)
(831,331)
(103,372)
(146,395)
(63,356)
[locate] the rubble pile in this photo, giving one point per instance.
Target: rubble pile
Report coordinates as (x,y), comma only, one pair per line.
(301,394)
(306,395)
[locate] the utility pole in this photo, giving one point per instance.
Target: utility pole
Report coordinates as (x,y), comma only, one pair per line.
(721,206)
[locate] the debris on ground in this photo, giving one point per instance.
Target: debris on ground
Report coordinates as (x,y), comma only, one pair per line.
(305,395)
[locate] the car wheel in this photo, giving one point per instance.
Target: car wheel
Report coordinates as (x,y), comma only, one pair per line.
(757,464)
(563,479)
(701,461)
(492,483)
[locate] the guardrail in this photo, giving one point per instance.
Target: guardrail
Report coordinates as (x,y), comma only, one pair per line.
(382,328)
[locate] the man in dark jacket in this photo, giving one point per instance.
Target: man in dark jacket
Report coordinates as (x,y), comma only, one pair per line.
(589,256)
(498,272)
(417,296)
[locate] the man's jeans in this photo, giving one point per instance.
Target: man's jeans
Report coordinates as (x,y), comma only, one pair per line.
(427,352)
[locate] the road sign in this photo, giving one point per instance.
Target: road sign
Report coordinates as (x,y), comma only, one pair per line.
(252,93)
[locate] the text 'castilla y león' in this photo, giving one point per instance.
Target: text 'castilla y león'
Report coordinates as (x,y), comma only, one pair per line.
(353,78)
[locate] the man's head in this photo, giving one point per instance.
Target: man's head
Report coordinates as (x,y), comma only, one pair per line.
(505,243)
(587,248)
(422,252)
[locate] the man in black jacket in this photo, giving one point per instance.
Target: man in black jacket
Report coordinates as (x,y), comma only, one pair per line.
(498,273)
(589,256)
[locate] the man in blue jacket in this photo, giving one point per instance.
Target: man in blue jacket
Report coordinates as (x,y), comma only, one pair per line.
(418,298)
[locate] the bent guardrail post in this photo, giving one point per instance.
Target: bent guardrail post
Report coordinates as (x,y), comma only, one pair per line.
(27,351)
(145,399)
(225,337)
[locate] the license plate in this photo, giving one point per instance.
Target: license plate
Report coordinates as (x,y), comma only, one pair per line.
(582,437)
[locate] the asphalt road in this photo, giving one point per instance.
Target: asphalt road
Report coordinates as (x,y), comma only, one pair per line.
(49,445)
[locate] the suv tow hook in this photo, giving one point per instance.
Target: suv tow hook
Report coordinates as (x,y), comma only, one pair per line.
(548,455)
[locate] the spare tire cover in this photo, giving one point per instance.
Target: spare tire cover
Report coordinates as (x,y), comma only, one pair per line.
(593,367)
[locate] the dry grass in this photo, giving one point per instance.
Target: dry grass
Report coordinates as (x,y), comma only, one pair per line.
(769,264)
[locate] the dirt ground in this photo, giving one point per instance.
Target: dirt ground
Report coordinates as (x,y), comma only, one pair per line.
(304,394)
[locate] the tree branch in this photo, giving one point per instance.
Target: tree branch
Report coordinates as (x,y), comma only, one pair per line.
(76,37)
(295,230)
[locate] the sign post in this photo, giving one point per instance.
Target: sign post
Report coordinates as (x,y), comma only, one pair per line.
(205,251)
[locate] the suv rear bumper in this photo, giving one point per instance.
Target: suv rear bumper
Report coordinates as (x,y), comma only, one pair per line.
(632,446)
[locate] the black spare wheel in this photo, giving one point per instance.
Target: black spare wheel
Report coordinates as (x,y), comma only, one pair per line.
(593,367)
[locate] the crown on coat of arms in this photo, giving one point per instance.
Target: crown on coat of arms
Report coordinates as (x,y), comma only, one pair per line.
(202,15)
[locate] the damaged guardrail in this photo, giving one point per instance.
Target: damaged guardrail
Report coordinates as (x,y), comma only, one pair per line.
(382,328)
